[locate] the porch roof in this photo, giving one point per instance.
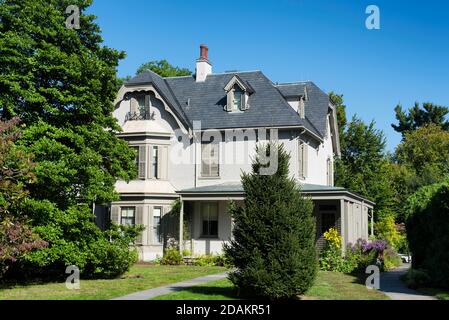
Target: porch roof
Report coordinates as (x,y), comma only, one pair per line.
(235,190)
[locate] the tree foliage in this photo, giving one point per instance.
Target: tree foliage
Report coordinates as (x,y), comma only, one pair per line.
(425,152)
(16,236)
(273,247)
(337,100)
(418,116)
(428,232)
(363,166)
(61,82)
(164,69)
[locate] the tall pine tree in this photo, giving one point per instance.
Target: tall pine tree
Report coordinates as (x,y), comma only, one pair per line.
(273,246)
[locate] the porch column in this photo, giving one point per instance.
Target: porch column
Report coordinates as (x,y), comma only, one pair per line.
(181,225)
(372,222)
(343,225)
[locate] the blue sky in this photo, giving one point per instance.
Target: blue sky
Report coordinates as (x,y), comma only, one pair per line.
(407,60)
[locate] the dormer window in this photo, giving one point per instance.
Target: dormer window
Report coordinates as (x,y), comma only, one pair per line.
(237,94)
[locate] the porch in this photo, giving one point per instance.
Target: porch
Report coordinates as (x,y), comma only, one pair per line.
(205,224)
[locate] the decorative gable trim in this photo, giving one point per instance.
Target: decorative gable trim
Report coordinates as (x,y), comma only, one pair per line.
(126,89)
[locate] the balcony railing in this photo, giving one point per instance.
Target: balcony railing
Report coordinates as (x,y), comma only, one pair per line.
(141,114)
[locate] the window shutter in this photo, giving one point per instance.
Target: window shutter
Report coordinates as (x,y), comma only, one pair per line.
(115,214)
(150,226)
(245,97)
(230,100)
(139,220)
(142,162)
(164,162)
(134,105)
(147,101)
(306,159)
(300,159)
(146,110)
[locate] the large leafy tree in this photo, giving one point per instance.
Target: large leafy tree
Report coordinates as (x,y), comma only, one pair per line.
(418,116)
(425,154)
(273,247)
(161,67)
(62,82)
(164,69)
(363,166)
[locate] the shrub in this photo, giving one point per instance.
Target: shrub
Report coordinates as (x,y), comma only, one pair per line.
(391,259)
(172,256)
(386,230)
(273,247)
(428,231)
(204,260)
(331,256)
(416,278)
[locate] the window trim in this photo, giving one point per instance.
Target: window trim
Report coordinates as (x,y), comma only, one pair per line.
(155,227)
(126,208)
(209,235)
(209,175)
(155,165)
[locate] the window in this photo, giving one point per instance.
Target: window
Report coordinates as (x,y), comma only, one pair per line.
(209,220)
(128,216)
(157,235)
(154,162)
(209,159)
(238,100)
(327,221)
(302,159)
(330,172)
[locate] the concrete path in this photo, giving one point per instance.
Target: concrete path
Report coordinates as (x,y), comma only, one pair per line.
(392,286)
(152,293)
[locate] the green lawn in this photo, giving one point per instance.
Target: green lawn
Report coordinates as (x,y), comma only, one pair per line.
(328,286)
(140,277)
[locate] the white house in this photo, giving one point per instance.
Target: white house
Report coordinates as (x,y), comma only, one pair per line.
(194,135)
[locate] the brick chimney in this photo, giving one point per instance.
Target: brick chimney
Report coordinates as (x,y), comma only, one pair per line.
(203,65)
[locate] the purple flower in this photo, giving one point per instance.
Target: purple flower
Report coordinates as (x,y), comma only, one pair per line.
(377,245)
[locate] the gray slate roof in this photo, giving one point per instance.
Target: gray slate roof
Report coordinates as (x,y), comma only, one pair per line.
(205,101)
(236,187)
(233,188)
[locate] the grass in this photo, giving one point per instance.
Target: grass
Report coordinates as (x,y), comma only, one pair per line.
(140,277)
(328,286)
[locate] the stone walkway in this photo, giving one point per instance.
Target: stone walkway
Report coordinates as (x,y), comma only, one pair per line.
(152,293)
(392,286)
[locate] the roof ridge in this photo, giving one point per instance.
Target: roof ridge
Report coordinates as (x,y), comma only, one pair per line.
(232,72)
(293,83)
